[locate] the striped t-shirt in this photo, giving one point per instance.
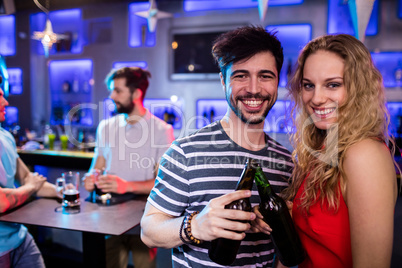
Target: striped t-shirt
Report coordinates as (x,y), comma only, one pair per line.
(206,165)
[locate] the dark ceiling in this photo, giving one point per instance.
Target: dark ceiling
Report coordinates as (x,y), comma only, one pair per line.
(28,5)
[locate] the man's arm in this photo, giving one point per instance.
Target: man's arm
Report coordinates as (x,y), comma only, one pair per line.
(11,198)
(30,184)
(115,184)
(159,229)
(23,174)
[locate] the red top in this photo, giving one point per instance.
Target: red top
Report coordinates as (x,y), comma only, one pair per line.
(324,233)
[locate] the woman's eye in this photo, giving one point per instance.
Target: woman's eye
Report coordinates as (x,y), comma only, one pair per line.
(333,85)
(308,86)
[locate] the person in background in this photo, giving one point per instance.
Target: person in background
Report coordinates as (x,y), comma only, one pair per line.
(344,186)
(17,247)
(128,147)
(198,174)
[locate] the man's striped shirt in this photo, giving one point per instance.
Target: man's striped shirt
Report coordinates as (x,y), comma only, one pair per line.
(206,165)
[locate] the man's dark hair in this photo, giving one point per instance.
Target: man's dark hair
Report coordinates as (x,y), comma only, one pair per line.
(243,43)
(136,78)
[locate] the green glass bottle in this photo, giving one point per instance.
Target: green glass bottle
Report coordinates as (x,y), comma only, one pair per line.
(223,251)
(287,243)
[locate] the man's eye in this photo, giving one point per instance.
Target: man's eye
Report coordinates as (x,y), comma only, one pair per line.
(239,76)
(266,76)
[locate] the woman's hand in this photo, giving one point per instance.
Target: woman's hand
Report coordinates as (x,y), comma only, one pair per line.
(258,225)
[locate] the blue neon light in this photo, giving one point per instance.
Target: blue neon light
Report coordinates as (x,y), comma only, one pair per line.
(390,66)
(121,64)
(400,9)
(11,116)
(340,20)
(165,109)
(209,110)
(139,35)
(197,5)
(71,87)
(15,81)
(7,35)
(4,73)
(293,38)
(395,112)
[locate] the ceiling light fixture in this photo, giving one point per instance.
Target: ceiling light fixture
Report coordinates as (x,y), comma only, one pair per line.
(47,37)
(152,15)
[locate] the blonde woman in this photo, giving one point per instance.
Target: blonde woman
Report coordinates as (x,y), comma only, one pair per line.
(344,184)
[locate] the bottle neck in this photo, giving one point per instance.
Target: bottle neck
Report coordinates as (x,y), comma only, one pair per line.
(246,179)
(264,188)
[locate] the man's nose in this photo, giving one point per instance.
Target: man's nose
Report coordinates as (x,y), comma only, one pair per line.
(254,86)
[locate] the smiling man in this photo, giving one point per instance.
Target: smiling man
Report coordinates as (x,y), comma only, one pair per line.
(198,174)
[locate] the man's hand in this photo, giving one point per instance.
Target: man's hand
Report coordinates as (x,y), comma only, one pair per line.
(112,184)
(214,221)
(91,179)
(34,181)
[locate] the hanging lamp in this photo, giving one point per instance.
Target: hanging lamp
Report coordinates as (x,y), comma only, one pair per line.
(47,37)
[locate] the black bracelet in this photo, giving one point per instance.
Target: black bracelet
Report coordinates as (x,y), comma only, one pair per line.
(187,229)
(181,230)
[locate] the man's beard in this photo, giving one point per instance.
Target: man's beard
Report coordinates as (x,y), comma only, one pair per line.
(239,113)
(125,109)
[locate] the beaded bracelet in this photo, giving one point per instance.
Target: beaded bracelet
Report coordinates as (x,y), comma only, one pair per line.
(181,230)
(187,229)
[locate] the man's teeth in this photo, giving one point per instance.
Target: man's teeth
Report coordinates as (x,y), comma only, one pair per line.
(252,103)
(325,111)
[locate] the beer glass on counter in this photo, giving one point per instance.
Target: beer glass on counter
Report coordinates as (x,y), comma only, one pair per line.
(71,193)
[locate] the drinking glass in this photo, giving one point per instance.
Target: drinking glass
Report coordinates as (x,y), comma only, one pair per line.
(51,137)
(71,194)
(64,142)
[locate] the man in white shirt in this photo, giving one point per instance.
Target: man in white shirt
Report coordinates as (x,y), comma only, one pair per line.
(128,148)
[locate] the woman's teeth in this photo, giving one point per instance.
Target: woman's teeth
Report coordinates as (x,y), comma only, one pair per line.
(324,111)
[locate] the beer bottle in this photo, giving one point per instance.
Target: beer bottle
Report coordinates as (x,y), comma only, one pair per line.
(223,251)
(286,241)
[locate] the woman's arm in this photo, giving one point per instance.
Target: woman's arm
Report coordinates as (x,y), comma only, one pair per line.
(370,195)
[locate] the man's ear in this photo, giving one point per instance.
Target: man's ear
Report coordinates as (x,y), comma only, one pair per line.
(222,81)
(137,94)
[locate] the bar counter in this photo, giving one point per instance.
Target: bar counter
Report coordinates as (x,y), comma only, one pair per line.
(55,158)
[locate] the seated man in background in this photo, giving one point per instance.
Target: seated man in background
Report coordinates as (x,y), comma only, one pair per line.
(128,148)
(17,247)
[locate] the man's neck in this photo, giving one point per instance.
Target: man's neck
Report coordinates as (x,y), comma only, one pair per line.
(248,136)
(137,113)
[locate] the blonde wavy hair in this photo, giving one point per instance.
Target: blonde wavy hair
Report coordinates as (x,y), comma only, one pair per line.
(320,154)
